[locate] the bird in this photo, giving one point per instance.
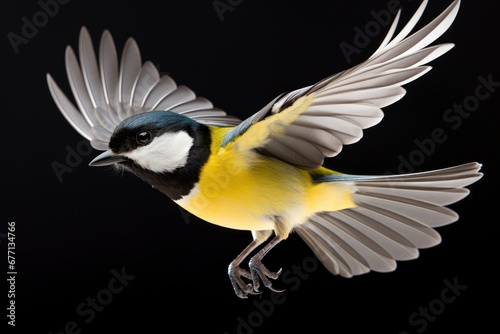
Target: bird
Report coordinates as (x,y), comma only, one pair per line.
(265,174)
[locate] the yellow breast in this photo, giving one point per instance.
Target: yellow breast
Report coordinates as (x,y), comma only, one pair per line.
(245,190)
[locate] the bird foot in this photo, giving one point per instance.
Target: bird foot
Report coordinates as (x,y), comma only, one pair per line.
(257,272)
(241,288)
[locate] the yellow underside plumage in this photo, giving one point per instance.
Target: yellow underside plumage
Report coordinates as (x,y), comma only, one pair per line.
(241,189)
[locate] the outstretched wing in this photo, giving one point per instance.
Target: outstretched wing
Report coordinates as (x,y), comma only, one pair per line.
(307,125)
(110,91)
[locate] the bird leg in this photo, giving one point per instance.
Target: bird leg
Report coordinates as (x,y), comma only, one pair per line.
(235,272)
(257,270)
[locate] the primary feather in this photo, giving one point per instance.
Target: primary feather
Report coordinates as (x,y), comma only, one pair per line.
(109,92)
(345,104)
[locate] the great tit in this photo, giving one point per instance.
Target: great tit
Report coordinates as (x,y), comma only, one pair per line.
(265,174)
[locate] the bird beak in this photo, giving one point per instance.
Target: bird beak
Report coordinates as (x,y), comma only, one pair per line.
(105,159)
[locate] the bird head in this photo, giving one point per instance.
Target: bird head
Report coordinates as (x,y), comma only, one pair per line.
(161,147)
(158,141)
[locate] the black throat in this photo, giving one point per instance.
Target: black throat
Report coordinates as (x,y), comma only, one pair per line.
(180,182)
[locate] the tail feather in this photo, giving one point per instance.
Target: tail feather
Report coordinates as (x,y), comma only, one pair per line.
(394,217)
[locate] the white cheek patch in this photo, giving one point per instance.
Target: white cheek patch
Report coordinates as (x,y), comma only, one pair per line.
(165,153)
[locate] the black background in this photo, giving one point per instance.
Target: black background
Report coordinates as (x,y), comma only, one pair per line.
(70,235)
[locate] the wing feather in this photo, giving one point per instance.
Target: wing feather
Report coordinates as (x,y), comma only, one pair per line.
(179,96)
(90,70)
(130,68)
(162,89)
(108,92)
(405,31)
(199,103)
(379,97)
(70,112)
(77,84)
(108,66)
(146,80)
(348,102)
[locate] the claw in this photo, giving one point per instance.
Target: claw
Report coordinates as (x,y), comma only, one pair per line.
(255,293)
(259,271)
(241,288)
(276,290)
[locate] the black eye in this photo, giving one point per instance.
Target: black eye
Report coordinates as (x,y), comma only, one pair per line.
(143,137)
